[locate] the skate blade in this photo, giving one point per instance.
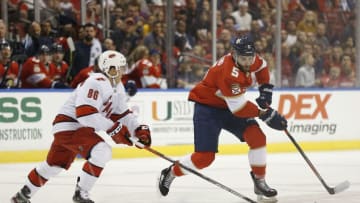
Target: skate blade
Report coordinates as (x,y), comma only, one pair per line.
(263,199)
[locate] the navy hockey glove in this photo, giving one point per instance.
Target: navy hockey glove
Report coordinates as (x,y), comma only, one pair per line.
(273,119)
(131,88)
(265,98)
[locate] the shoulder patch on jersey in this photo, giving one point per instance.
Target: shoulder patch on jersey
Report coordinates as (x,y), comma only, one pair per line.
(146,71)
(35,60)
(36,68)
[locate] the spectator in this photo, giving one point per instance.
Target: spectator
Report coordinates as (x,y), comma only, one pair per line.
(305,76)
(229,23)
(348,78)
(308,23)
(47,37)
(92,12)
(189,75)
(287,39)
(58,67)
(220,50)
(119,33)
(334,58)
(156,38)
(117,13)
(226,38)
(146,69)
(86,50)
(67,8)
(49,10)
(3,31)
(183,40)
(130,36)
(286,67)
(109,44)
(332,79)
(321,36)
(32,39)
(256,31)
(242,17)
(11,37)
(8,69)
(291,31)
(192,11)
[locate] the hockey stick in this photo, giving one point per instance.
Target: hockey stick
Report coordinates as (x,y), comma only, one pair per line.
(331,190)
(192,171)
(71,45)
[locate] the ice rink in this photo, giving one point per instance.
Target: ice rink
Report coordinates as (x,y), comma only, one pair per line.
(134,180)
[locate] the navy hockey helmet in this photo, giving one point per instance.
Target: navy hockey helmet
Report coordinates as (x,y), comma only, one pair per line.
(4,45)
(244,46)
(44,50)
(57,48)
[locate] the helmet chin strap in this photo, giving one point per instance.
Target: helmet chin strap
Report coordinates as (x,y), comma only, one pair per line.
(238,65)
(113,79)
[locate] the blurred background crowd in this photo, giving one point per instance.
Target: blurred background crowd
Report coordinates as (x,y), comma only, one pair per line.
(59,50)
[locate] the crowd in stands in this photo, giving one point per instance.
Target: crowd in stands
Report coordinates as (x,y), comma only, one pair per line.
(317,40)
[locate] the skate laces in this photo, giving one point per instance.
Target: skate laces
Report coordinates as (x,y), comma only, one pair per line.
(168,178)
(263,183)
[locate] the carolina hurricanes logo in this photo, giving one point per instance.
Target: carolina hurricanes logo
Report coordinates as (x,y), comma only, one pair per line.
(112,55)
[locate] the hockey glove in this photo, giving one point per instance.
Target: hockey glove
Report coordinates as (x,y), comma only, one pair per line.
(131,88)
(59,85)
(120,134)
(143,133)
(273,119)
(265,98)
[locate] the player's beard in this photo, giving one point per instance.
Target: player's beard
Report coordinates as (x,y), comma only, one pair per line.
(244,69)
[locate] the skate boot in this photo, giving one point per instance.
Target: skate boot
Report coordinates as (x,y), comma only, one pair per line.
(81,196)
(265,194)
(22,196)
(165,180)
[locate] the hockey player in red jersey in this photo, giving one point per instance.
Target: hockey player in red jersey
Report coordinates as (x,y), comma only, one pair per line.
(220,103)
(98,104)
(58,67)
(8,69)
(35,72)
(146,71)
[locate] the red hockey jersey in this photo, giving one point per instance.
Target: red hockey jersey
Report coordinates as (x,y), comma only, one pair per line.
(35,75)
(224,86)
(11,73)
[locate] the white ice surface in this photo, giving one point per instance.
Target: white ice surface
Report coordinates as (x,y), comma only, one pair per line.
(134,180)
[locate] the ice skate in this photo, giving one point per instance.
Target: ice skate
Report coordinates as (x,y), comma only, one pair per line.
(165,180)
(81,196)
(22,196)
(265,194)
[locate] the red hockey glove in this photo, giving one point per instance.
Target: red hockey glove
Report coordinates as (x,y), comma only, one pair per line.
(143,133)
(120,134)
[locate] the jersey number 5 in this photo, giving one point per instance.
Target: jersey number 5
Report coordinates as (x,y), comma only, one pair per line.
(235,72)
(93,94)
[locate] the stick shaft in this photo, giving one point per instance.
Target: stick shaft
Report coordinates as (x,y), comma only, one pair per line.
(329,189)
(198,174)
